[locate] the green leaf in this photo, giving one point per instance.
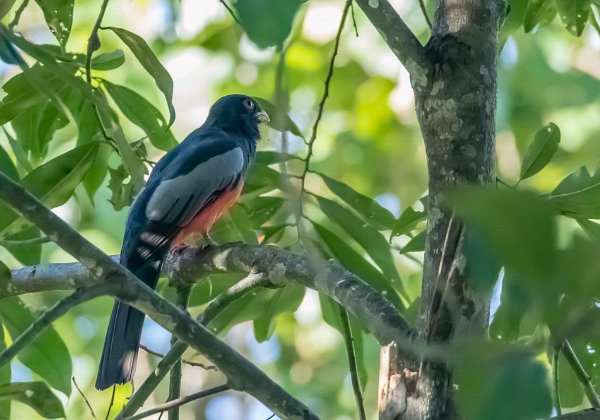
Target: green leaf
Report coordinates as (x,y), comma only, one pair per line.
(416,244)
(8,53)
(278,121)
(148,60)
(143,114)
(29,254)
(122,192)
(59,17)
(286,299)
(592,228)
(517,227)
(37,395)
(369,209)
(108,61)
(538,12)
(571,392)
(47,355)
(262,209)
(243,224)
(267,22)
(370,239)
(5,279)
(5,7)
(498,384)
(7,166)
(356,264)
(573,14)
(5,373)
(407,221)
(540,151)
(578,194)
(269,157)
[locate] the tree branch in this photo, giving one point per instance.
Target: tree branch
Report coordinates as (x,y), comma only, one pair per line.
(403,43)
(119,282)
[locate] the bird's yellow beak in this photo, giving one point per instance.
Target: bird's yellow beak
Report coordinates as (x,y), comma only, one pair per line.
(262,117)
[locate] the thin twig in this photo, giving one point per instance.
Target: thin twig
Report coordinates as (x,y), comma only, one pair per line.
(183,296)
(25,242)
(18,14)
(241,288)
(555,358)
(181,401)
(353,19)
(424,10)
(231,12)
(349,341)
(111,403)
(84,397)
(47,318)
(187,362)
(582,375)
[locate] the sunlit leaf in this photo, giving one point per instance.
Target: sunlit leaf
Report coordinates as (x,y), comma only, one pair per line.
(539,12)
(573,14)
(148,60)
(37,395)
(578,194)
(286,299)
(267,22)
(540,151)
(108,61)
(143,114)
(262,209)
(368,208)
(498,384)
(59,17)
(356,264)
(278,121)
(5,7)
(47,355)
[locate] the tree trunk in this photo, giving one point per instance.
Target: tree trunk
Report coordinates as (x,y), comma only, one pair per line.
(456,103)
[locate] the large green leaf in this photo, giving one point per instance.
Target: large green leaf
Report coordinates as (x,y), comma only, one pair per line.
(108,61)
(578,194)
(7,166)
(47,355)
(370,239)
(538,12)
(59,17)
(540,151)
(267,22)
(55,181)
(148,60)
(497,384)
(286,299)
(369,209)
(143,114)
(573,14)
(355,263)
(37,395)
(5,373)
(278,121)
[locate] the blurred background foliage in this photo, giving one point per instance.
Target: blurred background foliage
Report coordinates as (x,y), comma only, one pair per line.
(362,207)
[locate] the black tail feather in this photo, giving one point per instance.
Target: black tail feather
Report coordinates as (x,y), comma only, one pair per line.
(122,341)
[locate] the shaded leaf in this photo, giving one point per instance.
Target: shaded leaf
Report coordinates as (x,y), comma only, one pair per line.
(7,166)
(47,355)
(269,157)
(37,395)
(8,53)
(407,221)
(286,299)
(143,114)
(29,254)
(538,12)
(262,209)
(5,371)
(571,392)
(573,14)
(369,209)
(122,191)
(416,244)
(356,264)
(59,17)
(540,151)
(148,60)
(498,384)
(278,122)
(267,22)
(578,194)
(108,61)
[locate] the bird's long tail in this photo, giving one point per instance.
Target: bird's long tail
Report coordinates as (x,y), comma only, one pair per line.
(122,341)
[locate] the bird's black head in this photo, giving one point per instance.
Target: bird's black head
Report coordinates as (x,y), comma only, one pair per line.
(238,114)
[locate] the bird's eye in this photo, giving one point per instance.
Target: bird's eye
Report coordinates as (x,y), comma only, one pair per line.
(249,104)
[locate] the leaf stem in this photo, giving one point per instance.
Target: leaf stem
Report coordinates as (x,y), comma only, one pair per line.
(183,296)
(349,341)
(555,359)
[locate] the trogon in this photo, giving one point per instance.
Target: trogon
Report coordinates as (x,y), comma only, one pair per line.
(186,192)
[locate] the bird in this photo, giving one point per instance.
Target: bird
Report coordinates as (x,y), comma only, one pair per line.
(188,189)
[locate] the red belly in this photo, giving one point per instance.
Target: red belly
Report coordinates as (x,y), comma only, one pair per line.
(204,220)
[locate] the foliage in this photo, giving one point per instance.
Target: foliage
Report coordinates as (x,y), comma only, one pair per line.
(84,146)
